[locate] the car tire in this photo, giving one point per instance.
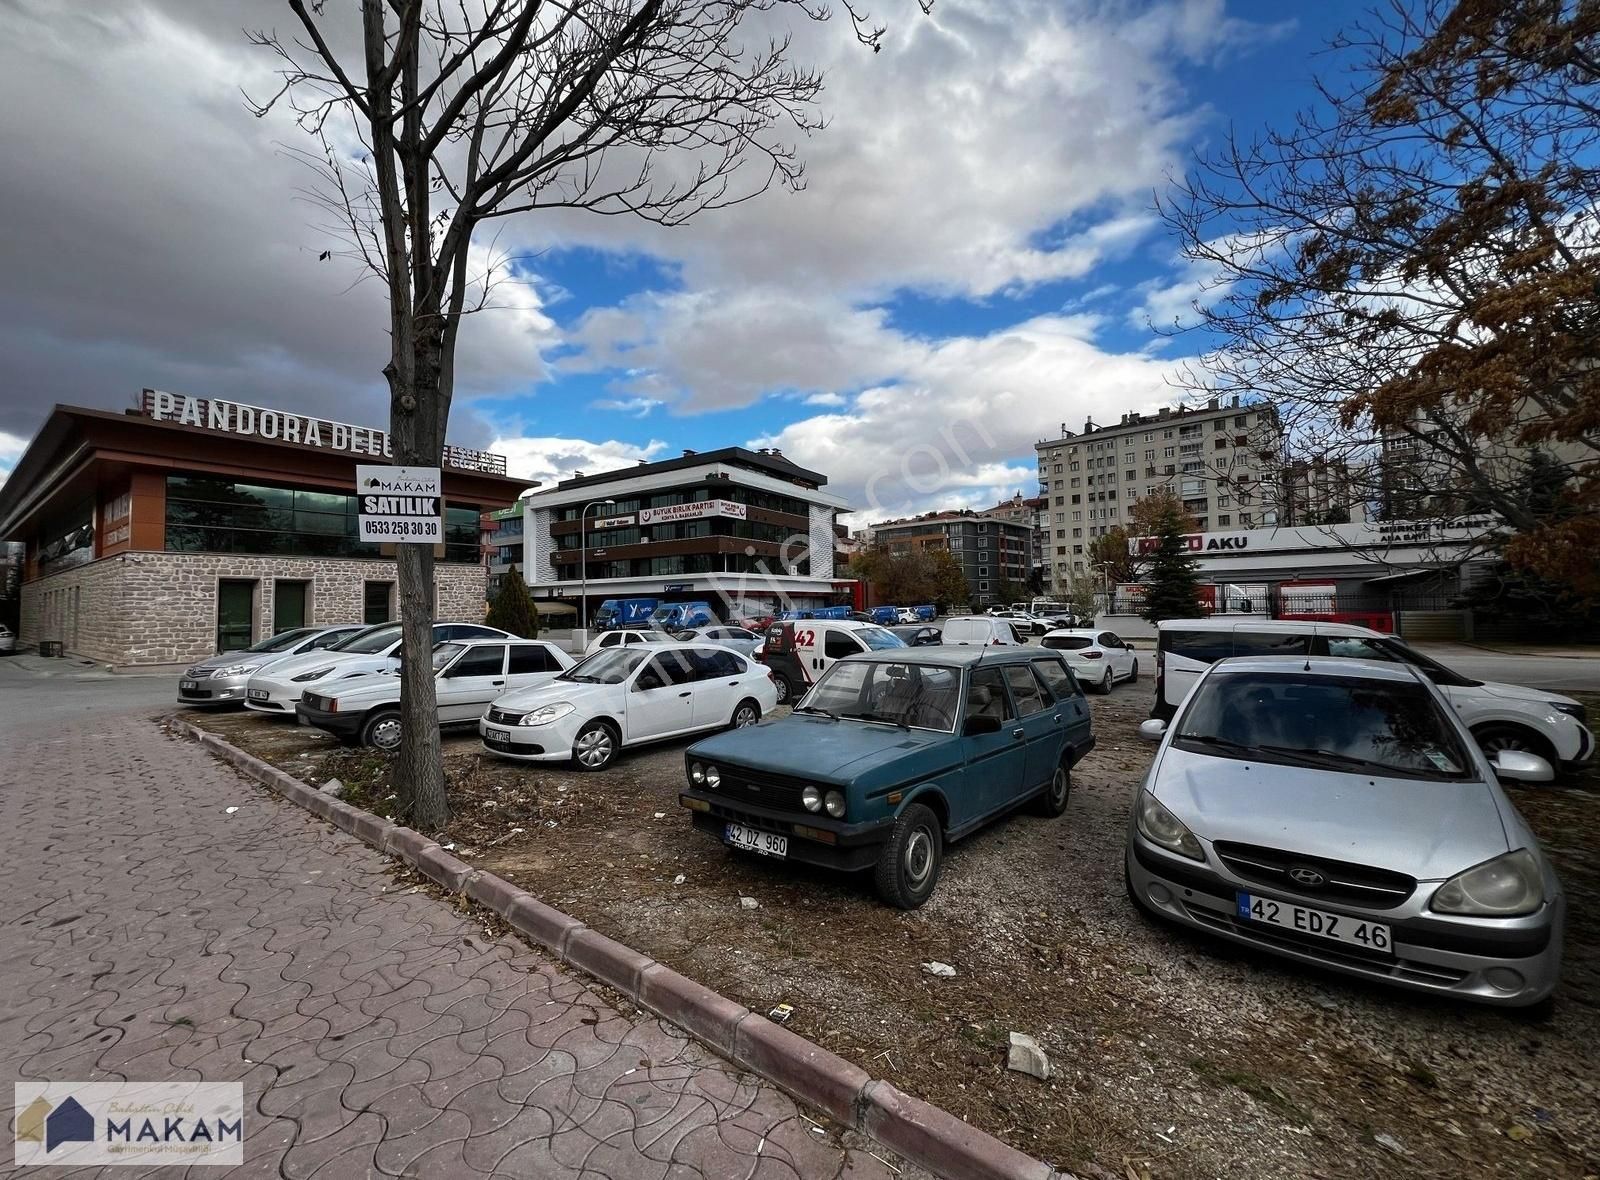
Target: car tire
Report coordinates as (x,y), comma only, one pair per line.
(595,747)
(785,689)
(745,714)
(909,862)
(381,730)
(1499,735)
(1133,676)
(1052,801)
(1106,681)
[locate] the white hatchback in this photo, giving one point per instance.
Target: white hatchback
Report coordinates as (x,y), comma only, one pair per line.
(984,630)
(1097,658)
(625,696)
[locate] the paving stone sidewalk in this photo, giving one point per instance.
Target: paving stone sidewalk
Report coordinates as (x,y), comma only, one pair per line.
(146,933)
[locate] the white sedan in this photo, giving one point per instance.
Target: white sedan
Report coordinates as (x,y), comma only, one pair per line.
(277,687)
(625,696)
(1097,658)
(468,675)
(625,636)
(746,643)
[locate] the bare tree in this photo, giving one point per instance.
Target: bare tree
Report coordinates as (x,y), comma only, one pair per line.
(433,117)
(1409,271)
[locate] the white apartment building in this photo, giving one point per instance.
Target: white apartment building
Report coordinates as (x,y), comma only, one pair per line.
(1224,461)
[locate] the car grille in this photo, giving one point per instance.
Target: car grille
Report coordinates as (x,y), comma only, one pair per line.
(501,717)
(1353,884)
(197,674)
(761,790)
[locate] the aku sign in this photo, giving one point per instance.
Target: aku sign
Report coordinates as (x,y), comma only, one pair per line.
(400,504)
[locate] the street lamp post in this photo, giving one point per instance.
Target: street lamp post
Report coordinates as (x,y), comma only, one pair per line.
(583,562)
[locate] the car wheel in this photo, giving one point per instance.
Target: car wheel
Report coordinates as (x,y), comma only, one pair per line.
(746,715)
(595,746)
(382,730)
(1105,683)
(1500,736)
(1052,801)
(908,864)
(785,689)
(1133,676)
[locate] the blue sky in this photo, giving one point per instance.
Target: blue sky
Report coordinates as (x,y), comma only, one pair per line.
(972,262)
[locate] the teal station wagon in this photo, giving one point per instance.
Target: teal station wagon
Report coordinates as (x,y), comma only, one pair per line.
(892,755)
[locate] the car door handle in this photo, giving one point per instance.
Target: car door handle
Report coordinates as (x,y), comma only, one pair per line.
(1018,733)
(1058,716)
(685,694)
(497,683)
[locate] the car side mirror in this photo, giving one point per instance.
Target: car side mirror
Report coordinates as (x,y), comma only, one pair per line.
(980,723)
(1153,729)
(1519,766)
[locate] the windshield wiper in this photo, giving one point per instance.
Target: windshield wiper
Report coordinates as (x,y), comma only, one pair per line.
(879,718)
(1211,739)
(1338,759)
(814,709)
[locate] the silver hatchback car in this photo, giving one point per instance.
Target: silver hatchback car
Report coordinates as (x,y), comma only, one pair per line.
(221,680)
(1336,812)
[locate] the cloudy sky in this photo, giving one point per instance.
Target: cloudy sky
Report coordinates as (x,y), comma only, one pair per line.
(973,262)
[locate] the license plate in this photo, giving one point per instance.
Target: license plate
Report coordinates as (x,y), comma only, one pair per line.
(753,840)
(1372,936)
(187,685)
(258,694)
(497,735)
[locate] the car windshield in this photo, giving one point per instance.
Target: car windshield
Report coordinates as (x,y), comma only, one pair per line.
(1066,642)
(1334,722)
(369,642)
(611,665)
(879,638)
(1431,668)
(915,696)
(282,641)
(445,652)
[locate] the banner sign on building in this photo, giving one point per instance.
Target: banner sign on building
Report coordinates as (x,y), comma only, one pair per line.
(695,510)
(400,504)
(320,433)
(610,522)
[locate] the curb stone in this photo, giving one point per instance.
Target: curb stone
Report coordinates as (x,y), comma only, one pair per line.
(925,1135)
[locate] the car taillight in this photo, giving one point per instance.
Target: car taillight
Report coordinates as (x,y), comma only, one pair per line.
(1092,655)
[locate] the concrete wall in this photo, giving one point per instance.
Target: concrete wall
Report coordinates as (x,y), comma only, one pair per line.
(161,608)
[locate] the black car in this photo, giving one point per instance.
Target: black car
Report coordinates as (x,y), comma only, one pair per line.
(919,635)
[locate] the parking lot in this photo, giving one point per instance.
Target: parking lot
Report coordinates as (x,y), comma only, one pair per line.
(1175,1054)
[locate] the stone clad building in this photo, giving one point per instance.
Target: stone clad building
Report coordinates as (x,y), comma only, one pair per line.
(166,534)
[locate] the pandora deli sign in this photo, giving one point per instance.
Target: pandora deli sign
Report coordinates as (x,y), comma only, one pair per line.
(321,433)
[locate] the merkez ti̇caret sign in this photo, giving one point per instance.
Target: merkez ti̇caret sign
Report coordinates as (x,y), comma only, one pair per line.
(400,504)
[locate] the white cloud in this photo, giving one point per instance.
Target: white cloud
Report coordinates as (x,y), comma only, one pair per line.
(547,460)
(639,407)
(11,448)
(825,399)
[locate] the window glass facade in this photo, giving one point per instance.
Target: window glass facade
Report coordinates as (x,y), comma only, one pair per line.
(208,514)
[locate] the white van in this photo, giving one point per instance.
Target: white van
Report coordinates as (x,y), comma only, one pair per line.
(800,650)
(1500,716)
(983,630)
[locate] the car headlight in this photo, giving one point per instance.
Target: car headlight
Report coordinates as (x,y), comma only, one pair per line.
(713,777)
(834,802)
(1500,888)
(235,670)
(314,674)
(546,714)
(1160,826)
(697,774)
(811,798)
(1574,709)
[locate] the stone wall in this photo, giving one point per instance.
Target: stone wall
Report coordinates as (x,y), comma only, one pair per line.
(161,608)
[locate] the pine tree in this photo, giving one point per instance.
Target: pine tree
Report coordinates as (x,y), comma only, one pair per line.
(512,609)
(1171,587)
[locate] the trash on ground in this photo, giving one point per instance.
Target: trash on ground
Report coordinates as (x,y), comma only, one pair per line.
(1025,1056)
(1389,1143)
(942,970)
(781,1014)
(230,810)
(749,903)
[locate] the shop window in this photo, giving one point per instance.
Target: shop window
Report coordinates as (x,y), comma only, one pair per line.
(377,602)
(290,600)
(236,613)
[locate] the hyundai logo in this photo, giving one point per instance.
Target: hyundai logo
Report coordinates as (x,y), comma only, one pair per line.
(1310,878)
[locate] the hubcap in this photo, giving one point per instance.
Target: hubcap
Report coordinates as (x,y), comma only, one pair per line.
(594,747)
(1058,786)
(1502,741)
(919,858)
(386,734)
(783,690)
(745,717)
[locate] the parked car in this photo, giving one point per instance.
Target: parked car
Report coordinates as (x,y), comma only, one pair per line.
(892,756)
(1337,812)
(919,635)
(989,631)
(8,640)
(885,616)
(1099,658)
(277,689)
(682,616)
(925,613)
(469,674)
(906,615)
(622,638)
(224,679)
(1500,716)
(799,653)
(624,612)
(833,612)
(746,643)
(627,696)
(860,616)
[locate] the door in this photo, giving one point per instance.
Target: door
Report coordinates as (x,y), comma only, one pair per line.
(1041,732)
(1071,711)
(467,686)
(718,687)
(661,698)
(288,605)
(838,644)
(528,664)
(996,762)
(1119,655)
(235,614)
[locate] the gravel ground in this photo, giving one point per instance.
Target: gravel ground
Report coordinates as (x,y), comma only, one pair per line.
(1172,1055)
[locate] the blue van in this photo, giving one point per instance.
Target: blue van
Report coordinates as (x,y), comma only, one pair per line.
(926,614)
(682,616)
(624,612)
(886,616)
(831,612)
